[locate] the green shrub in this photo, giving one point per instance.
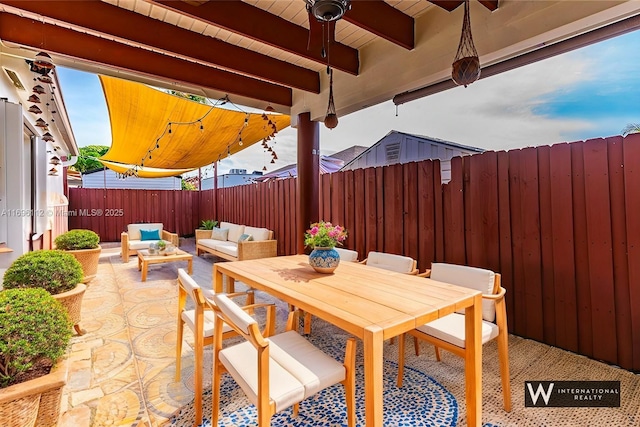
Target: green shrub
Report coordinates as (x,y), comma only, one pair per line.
(208,224)
(54,271)
(34,329)
(74,240)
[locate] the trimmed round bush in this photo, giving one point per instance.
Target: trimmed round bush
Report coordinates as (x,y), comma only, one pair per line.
(53,270)
(74,240)
(34,329)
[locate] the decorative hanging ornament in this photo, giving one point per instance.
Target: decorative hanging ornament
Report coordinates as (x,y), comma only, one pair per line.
(53,172)
(47,137)
(38,89)
(55,160)
(466,65)
(45,79)
(34,98)
(42,124)
(331,119)
(43,60)
(35,109)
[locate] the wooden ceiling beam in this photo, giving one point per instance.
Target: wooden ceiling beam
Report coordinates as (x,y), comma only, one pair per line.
(383,20)
(257,24)
(114,21)
(70,43)
(450,5)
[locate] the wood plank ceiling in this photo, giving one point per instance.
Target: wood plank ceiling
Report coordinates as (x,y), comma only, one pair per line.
(270,51)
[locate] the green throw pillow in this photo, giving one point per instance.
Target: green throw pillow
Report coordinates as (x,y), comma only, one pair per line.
(220,233)
(245,237)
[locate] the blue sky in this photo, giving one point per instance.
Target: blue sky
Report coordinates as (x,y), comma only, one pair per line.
(588,93)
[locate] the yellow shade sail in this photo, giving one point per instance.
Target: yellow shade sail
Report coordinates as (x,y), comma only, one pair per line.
(166,135)
(142,171)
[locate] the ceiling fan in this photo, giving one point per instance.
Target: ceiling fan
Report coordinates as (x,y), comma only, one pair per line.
(328,10)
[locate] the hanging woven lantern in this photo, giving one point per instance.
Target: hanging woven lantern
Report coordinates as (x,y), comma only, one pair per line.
(55,160)
(34,98)
(53,172)
(331,119)
(38,89)
(41,124)
(466,65)
(45,79)
(35,109)
(47,137)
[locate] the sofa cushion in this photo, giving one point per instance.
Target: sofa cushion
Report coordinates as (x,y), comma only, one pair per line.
(229,248)
(220,234)
(258,234)
(133,230)
(209,243)
(149,234)
(136,245)
(244,237)
(235,230)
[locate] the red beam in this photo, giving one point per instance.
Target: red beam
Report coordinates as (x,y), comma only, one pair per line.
(71,43)
(118,22)
(448,5)
(490,4)
(250,21)
(453,4)
(383,20)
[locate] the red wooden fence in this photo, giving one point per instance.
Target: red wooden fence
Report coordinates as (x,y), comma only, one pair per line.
(560,223)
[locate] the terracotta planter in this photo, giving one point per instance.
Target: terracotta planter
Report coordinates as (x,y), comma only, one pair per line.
(89,259)
(35,402)
(72,301)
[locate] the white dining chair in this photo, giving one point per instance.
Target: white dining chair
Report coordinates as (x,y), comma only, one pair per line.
(278,371)
(448,332)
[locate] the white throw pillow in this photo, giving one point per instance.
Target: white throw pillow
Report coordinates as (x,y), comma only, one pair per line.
(235,231)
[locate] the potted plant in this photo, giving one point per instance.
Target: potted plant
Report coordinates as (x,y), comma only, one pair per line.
(323,238)
(208,224)
(34,334)
(84,246)
(57,272)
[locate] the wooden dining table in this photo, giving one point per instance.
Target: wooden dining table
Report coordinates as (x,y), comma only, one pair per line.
(372,304)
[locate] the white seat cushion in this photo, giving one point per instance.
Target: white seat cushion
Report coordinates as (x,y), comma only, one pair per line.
(136,245)
(258,234)
(469,277)
(235,230)
(312,367)
(450,328)
(209,243)
(229,248)
(242,362)
(189,318)
(392,262)
(133,230)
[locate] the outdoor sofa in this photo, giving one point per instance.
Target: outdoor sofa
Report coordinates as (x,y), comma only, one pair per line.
(235,242)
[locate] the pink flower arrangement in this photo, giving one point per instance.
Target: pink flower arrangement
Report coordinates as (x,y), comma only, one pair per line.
(324,235)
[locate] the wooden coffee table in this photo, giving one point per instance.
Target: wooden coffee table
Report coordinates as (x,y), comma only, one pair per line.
(144,259)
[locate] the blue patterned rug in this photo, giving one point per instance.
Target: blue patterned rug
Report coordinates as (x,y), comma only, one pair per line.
(421,401)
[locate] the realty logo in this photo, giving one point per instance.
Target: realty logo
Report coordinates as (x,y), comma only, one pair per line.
(546,395)
(560,394)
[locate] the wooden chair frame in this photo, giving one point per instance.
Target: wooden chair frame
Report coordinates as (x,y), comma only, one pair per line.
(503,341)
(266,408)
(201,306)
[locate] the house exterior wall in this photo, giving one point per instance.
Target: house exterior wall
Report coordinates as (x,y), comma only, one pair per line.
(398,147)
(229,180)
(108,179)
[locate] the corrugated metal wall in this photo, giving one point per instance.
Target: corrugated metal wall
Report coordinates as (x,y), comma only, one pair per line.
(560,223)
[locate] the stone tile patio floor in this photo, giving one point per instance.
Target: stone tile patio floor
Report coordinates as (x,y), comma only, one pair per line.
(122,370)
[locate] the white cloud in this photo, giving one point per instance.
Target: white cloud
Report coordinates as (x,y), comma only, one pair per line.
(496,113)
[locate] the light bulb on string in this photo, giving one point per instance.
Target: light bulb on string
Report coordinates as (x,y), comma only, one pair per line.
(169,127)
(201,126)
(240,142)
